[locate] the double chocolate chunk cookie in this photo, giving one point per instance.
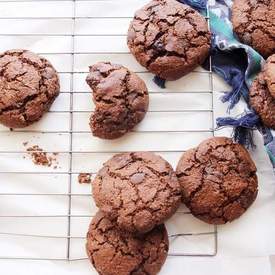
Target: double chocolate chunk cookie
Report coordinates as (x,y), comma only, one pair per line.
(169,38)
(121,100)
(218,180)
(253,22)
(116,252)
(28,86)
(269,73)
(137,190)
(262,101)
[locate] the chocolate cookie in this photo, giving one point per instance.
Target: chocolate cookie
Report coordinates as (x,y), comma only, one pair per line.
(218,180)
(253,22)
(28,86)
(116,252)
(262,101)
(269,74)
(137,190)
(121,100)
(169,38)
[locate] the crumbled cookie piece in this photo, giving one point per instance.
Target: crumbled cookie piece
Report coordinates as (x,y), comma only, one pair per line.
(121,100)
(40,157)
(84,178)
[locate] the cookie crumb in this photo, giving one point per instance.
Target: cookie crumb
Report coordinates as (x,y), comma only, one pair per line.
(40,157)
(84,178)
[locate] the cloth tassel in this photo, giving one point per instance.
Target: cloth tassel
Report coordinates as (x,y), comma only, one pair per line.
(159,81)
(238,89)
(231,66)
(242,127)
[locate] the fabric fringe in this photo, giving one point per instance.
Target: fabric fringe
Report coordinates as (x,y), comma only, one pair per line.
(238,88)
(242,127)
(231,67)
(159,81)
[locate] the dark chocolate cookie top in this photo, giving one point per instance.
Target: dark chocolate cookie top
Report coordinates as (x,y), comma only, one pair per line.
(218,180)
(262,101)
(138,190)
(121,100)
(116,252)
(253,22)
(269,73)
(169,38)
(28,86)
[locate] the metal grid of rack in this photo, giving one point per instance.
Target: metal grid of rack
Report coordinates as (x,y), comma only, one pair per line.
(74,29)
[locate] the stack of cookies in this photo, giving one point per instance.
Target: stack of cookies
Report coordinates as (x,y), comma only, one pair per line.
(137,192)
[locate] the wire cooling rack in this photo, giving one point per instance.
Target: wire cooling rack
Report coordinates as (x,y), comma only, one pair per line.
(44,212)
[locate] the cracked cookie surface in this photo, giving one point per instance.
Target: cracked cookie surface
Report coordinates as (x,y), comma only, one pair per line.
(138,190)
(121,100)
(169,38)
(218,180)
(28,86)
(262,101)
(269,73)
(253,22)
(113,252)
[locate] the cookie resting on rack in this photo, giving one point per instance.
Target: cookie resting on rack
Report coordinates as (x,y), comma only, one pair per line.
(218,180)
(28,86)
(121,100)
(137,190)
(253,22)
(262,101)
(269,74)
(169,38)
(116,252)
